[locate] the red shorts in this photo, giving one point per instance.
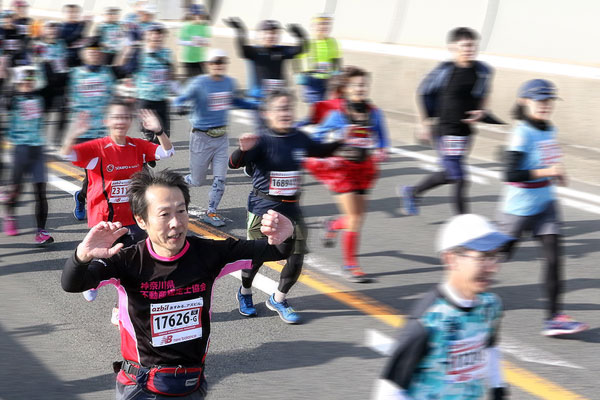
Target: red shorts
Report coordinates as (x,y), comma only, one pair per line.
(341,175)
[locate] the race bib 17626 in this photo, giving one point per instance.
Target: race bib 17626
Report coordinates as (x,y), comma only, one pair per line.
(176,322)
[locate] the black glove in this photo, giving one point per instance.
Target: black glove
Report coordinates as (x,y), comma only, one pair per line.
(296,30)
(235,23)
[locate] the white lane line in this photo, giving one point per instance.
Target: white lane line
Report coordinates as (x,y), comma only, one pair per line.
(62,184)
(384,345)
(322,264)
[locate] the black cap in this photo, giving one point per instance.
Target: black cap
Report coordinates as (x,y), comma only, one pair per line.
(269,25)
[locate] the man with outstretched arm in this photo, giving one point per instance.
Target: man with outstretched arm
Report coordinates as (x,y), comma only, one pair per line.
(166,285)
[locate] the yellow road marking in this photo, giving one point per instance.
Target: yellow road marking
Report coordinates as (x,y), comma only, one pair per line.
(516,376)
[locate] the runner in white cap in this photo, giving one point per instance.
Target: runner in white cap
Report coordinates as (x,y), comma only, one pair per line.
(448,347)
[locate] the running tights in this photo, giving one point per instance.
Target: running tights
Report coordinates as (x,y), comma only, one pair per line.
(289,275)
(439,178)
(552,274)
(41,203)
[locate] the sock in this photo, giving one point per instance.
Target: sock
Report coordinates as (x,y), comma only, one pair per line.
(279,296)
(246,291)
(339,224)
(349,244)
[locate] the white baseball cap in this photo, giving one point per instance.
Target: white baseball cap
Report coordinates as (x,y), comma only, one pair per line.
(150,9)
(471,231)
(214,54)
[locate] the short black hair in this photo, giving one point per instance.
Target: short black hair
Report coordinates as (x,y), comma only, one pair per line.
(277,93)
(72,6)
(461,33)
(353,72)
(121,101)
(141,181)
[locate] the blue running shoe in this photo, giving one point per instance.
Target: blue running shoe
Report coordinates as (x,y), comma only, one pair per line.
(246,306)
(562,325)
(409,201)
(79,211)
(286,313)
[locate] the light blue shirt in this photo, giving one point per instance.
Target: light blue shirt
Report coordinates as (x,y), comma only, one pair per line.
(211,100)
(541,151)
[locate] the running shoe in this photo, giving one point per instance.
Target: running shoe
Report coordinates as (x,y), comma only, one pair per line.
(90,295)
(42,237)
(354,274)
(79,211)
(10,226)
(562,325)
(213,219)
(246,305)
(285,311)
(327,234)
(409,201)
(114,318)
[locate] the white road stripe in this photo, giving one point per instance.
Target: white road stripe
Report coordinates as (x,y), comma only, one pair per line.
(384,345)
(62,184)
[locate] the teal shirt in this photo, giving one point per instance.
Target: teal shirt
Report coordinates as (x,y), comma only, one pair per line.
(152,77)
(111,36)
(26,122)
(54,53)
(91,92)
(455,366)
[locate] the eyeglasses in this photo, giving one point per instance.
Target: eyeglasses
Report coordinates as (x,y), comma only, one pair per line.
(220,61)
(488,257)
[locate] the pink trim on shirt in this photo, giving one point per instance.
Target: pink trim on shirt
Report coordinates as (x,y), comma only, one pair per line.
(161,258)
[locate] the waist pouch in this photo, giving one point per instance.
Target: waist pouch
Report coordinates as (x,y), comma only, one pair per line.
(214,132)
(169,381)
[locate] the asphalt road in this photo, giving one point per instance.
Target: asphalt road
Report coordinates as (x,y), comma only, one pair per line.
(55,345)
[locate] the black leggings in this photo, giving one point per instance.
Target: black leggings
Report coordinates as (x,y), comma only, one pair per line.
(436,179)
(553,273)
(289,275)
(41,202)
(82,195)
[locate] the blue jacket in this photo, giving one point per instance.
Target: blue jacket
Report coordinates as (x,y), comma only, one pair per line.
(436,80)
(337,120)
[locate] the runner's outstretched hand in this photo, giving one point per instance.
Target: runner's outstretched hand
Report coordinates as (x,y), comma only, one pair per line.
(150,121)
(98,241)
(276,227)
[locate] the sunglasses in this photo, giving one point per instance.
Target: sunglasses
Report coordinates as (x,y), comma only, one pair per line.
(220,61)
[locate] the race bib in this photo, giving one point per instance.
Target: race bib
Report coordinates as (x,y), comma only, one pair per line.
(549,152)
(159,76)
(92,87)
(454,145)
(176,322)
(31,109)
(59,65)
(323,67)
(199,41)
(23,30)
(284,183)
(219,101)
(11,44)
(467,360)
(270,85)
(118,191)
(360,137)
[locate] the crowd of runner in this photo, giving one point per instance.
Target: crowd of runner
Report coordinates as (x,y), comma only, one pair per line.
(71,89)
